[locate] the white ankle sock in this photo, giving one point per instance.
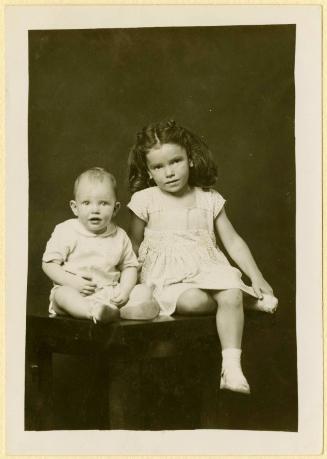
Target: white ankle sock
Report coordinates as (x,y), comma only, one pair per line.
(231,356)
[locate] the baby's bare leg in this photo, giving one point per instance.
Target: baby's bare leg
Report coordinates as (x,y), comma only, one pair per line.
(141,304)
(69,301)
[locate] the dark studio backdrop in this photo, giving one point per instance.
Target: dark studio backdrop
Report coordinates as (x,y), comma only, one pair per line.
(90,91)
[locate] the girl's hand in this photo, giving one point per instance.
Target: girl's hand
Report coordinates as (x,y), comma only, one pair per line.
(84,285)
(260,286)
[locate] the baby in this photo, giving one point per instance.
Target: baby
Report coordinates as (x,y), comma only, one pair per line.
(91,260)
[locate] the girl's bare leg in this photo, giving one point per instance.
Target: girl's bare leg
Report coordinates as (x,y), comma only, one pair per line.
(196,301)
(69,301)
(141,304)
(230,323)
(230,318)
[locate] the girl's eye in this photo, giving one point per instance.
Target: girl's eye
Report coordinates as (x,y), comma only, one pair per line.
(103,203)
(86,203)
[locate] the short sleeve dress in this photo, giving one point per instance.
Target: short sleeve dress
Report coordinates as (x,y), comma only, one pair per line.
(179,250)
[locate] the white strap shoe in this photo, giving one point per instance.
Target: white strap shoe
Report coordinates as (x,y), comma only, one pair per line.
(232,378)
(268,303)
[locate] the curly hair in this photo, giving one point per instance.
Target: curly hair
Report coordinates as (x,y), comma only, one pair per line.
(202,174)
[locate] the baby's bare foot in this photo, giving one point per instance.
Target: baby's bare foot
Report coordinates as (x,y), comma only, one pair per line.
(104,313)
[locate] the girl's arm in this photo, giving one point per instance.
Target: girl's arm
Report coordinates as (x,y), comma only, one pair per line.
(58,275)
(136,232)
(241,254)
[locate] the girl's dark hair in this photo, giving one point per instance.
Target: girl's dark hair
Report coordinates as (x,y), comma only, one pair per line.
(202,174)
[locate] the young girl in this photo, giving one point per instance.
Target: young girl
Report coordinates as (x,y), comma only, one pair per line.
(175,214)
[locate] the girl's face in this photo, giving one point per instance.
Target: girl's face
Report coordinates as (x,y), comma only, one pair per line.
(169,167)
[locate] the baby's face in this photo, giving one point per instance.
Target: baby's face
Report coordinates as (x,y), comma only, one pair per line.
(95,204)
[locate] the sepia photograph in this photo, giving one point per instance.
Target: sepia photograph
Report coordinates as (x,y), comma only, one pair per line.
(162,230)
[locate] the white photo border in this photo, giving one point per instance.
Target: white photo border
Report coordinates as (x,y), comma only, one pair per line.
(308,132)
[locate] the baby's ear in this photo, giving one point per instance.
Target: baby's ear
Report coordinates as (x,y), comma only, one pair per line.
(117,207)
(73,206)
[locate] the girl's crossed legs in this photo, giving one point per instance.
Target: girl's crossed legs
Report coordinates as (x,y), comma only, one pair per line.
(230,322)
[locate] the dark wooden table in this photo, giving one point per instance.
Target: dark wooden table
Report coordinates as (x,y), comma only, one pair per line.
(120,352)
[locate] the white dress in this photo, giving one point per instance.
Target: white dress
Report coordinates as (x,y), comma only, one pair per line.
(179,250)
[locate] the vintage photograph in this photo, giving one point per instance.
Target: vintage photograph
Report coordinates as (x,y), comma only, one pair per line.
(162,244)
(182,119)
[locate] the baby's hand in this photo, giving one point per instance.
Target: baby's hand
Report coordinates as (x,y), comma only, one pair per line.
(84,285)
(120,299)
(260,286)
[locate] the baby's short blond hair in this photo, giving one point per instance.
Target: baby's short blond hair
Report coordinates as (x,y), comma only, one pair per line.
(95,174)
